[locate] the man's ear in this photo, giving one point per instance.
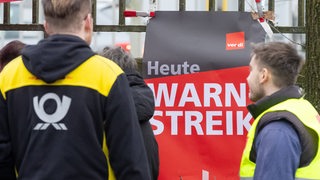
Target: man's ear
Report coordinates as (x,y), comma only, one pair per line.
(88,23)
(46,27)
(88,28)
(265,75)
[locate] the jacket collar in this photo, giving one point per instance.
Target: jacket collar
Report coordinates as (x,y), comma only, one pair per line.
(266,102)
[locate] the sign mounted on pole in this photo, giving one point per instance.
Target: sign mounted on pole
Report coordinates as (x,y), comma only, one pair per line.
(196,63)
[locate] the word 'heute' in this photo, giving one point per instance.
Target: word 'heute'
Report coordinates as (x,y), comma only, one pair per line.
(172,69)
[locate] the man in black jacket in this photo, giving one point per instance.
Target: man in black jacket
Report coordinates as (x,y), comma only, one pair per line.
(143,100)
(66,113)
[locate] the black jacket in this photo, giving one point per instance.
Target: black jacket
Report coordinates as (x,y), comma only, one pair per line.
(59,104)
(144,103)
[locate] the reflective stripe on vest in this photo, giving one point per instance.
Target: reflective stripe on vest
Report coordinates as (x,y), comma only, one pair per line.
(307,114)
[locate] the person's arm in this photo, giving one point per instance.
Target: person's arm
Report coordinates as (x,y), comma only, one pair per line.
(278,152)
(124,140)
(6,160)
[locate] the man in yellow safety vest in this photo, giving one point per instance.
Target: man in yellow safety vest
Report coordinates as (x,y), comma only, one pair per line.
(283,142)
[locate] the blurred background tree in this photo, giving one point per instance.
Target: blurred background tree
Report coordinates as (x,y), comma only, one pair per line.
(310,76)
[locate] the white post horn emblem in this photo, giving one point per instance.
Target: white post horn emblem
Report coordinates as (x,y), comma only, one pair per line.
(54,118)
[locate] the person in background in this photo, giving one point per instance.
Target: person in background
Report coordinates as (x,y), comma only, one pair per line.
(283,142)
(10,51)
(143,99)
(65,112)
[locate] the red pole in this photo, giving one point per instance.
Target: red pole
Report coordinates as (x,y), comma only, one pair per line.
(259,8)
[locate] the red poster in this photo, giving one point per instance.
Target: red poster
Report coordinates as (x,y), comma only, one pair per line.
(197,66)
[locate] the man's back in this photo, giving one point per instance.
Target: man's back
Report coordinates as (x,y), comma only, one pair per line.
(60,108)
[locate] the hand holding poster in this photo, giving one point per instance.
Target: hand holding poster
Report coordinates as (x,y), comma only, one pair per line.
(196,63)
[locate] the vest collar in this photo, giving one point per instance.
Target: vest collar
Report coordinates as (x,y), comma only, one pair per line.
(266,102)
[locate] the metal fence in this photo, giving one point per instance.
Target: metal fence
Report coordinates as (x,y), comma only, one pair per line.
(122,27)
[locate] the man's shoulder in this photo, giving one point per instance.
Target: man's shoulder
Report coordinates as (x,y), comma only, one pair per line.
(103,62)
(280,126)
(278,131)
(98,65)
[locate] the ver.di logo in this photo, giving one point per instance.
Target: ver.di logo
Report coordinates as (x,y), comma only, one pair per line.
(235,41)
(52,118)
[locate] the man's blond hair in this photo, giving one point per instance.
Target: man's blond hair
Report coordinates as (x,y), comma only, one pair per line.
(66,15)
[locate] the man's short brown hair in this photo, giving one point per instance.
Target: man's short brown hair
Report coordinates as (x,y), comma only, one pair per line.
(282,59)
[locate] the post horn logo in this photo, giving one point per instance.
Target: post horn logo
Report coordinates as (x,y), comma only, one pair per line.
(53,118)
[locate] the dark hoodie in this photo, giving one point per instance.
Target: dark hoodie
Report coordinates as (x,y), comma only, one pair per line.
(59,103)
(56,56)
(144,103)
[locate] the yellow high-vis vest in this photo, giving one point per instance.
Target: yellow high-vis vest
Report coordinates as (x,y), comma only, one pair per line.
(309,117)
